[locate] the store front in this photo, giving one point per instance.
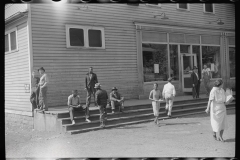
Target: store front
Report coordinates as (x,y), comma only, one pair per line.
(168,52)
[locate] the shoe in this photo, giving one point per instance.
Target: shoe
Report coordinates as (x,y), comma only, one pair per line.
(215,137)
(113,112)
(169,116)
(73,122)
(88,120)
(121,111)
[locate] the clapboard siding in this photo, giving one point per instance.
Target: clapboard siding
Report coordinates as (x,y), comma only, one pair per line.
(116,65)
(17,72)
(14,8)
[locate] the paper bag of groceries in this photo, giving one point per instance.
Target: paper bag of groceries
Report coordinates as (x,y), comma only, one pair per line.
(229,96)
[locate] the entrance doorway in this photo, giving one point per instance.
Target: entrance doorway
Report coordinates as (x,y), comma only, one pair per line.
(188,61)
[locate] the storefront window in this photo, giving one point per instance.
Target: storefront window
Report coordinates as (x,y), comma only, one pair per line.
(232,61)
(174,66)
(211,57)
(155,62)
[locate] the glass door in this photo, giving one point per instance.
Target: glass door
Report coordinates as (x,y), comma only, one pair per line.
(188,61)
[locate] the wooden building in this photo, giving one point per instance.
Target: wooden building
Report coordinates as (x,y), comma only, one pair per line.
(129,46)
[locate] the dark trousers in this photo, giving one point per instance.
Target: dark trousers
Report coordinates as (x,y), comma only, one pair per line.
(115,104)
(207,86)
(90,91)
(43,98)
(72,110)
(195,90)
(103,113)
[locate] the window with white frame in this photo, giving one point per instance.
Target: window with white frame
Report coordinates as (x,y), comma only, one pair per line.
(183,6)
(11,41)
(208,8)
(85,37)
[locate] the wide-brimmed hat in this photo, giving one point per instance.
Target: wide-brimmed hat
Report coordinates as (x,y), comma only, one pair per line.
(170,79)
(114,88)
(41,68)
(97,85)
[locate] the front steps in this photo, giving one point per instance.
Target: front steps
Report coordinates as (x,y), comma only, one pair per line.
(132,114)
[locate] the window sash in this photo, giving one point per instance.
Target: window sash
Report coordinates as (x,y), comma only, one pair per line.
(6,43)
(11,41)
(86,39)
(183,6)
(209,8)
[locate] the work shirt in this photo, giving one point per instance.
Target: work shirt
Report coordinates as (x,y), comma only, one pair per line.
(155,94)
(206,70)
(101,97)
(43,80)
(197,75)
(74,101)
(115,97)
(169,89)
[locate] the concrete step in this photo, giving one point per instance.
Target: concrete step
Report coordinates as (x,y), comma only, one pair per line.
(177,114)
(128,108)
(129,113)
(96,123)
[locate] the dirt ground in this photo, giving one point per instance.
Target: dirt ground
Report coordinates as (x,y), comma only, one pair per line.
(178,137)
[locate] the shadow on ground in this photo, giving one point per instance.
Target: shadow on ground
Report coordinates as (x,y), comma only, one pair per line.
(230,140)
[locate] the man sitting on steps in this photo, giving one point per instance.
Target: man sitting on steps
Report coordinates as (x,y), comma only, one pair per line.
(74,104)
(116,100)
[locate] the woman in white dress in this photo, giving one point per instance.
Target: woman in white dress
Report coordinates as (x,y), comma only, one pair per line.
(216,105)
(155,95)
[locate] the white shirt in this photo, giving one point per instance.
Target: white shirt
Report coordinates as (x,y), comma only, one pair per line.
(74,100)
(43,80)
(169,89)
(206,70)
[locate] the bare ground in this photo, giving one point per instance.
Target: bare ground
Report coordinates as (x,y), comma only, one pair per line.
(189,136)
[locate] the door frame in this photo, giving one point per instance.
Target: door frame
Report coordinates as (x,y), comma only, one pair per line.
(182,68)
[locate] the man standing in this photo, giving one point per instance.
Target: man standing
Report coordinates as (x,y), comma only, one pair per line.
(43,83)
(74,104)
(206,75)
(195,82)
(169,93)
(101,100)
(90,81)
(34,91)
(116,100)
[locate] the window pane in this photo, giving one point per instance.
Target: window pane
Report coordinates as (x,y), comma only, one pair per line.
(210,39)
(6,43)
(232,61)
(95,38)
(194,39)
(211,57)
(155,62)
(184,48)
(13,40)
(183,5)
(76,37)
(174,66)
(209,7)
(176,38)
(231,40)
(154,37)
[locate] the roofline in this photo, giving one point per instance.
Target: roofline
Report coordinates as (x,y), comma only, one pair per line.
(181,25)
(16,16)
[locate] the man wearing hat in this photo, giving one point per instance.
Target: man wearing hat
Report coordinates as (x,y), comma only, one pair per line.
(43,83)
(168,94)
(116,100)
(90,81)
(195,82)
(34,91)
(101,98)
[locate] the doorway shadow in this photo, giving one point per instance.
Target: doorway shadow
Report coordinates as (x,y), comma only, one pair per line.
(230,140)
